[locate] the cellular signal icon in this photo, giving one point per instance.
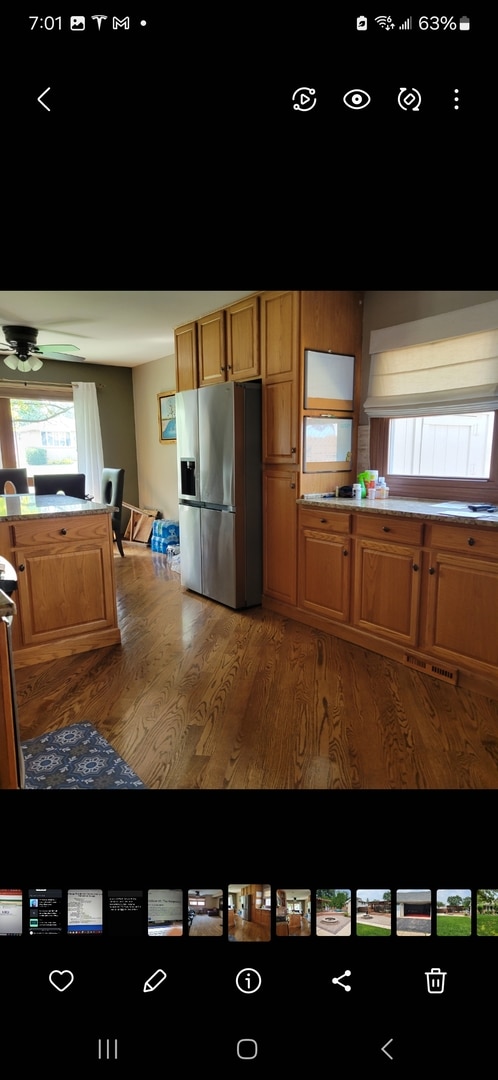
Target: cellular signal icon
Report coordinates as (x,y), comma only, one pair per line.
(407,24)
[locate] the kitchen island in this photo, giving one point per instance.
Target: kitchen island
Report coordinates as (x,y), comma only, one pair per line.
(61,550)
(413,580)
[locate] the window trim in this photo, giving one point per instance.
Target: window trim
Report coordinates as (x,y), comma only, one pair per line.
(431,487)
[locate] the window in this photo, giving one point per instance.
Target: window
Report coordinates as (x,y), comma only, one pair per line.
(432,400)
(454,445)
(37,429)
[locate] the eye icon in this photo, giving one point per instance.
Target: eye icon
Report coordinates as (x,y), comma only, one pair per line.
(357,99)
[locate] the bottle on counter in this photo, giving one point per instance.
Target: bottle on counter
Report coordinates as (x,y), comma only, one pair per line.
(382,490)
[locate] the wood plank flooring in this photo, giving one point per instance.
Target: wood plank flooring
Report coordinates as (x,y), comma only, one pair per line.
(198,696)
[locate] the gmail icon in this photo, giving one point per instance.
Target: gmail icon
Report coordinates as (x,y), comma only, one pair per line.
(120,24)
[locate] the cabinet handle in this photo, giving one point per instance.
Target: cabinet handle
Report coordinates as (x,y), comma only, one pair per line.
(292,485)
(323,521)
(431,570)
(415,567)
(293,449)
(345,552)
(471,541)
(22,566)
(63,532)
(386,528)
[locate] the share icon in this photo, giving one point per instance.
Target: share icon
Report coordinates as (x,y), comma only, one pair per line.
(338,980)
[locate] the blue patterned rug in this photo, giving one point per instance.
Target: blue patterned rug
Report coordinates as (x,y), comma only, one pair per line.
(76,757)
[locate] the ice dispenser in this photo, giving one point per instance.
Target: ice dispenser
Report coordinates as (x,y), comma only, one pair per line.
(187,471)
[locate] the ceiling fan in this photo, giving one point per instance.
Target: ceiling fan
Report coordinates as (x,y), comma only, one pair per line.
(20,351)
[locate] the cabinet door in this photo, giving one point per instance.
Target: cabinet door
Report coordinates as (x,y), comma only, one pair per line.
(186,357)
(64,591)
(279,423)
(387,590)
(279,334)
(280,535)
(462,606)
(324,573)
(212,349)
(243,344)
(280,371)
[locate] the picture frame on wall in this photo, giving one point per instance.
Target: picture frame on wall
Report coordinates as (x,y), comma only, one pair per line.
(166,403)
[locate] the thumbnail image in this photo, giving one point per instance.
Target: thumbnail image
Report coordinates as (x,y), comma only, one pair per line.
(373,913)
(333,912)
(205,912)
(453,912)
(165,913)
(293,913)
(10,912)
(413,912)
(487,912)
(249,912)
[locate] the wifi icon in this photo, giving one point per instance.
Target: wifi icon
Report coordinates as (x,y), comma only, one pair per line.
(385,22)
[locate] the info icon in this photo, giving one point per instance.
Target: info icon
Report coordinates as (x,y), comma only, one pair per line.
(77,22)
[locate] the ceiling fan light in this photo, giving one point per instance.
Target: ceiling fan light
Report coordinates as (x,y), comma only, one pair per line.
(24,365)
(36,363)
(11,361)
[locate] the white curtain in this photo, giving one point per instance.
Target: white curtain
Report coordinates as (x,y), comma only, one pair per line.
(88,436)
(443,364)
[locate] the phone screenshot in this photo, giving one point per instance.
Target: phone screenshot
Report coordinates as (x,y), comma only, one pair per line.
(46,911)
(124,912)
(84,911)
(248,558)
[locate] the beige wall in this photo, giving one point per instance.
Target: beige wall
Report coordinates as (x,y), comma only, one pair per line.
(156,461)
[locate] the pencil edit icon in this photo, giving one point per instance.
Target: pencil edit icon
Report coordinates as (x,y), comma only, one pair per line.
(154,981)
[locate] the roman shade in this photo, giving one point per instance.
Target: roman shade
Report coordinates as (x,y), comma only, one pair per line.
(443,364)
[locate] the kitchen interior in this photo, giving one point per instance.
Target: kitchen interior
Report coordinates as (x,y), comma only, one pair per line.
(293,913)
(406,571)
(249,912)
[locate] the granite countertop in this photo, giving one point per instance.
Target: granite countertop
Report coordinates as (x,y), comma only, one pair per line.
(23,507)
(433,510)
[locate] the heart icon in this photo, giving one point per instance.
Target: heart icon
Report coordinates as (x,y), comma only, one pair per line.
(61,979)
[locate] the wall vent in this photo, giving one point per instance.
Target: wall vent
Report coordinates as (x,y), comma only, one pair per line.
(449,675)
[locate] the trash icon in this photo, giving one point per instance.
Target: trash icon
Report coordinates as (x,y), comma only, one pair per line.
(435,980)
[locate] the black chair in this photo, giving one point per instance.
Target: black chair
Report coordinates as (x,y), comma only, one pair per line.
(112,495)
(17,477)
(72,484)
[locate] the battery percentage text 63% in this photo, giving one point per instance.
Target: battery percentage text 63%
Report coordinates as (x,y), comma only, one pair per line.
(437,22)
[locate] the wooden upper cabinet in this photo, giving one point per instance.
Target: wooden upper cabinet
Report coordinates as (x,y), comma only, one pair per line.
(186,357)
(279,334)
(212,348)
(243,342)
(332,321)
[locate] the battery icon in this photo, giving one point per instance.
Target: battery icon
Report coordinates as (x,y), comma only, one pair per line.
(464,23)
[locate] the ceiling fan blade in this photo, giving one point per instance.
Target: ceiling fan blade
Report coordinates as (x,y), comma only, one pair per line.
(61,356)
(57,348)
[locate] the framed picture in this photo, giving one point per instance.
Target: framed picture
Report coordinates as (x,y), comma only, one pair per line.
(167,416)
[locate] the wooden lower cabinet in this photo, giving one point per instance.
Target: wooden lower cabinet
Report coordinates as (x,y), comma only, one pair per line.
(421,593)
(66,595)
(387,590)
(324,560)
(462,610)
(280,535)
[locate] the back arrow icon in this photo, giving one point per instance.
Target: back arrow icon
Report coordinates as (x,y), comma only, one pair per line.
(384,1051)
(42,95)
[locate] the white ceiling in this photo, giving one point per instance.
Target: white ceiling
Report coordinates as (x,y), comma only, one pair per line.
(121,328)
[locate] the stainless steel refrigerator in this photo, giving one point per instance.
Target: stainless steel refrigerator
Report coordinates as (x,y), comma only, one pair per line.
(218,431)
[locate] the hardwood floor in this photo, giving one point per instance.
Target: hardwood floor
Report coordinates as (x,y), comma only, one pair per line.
(198,696)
